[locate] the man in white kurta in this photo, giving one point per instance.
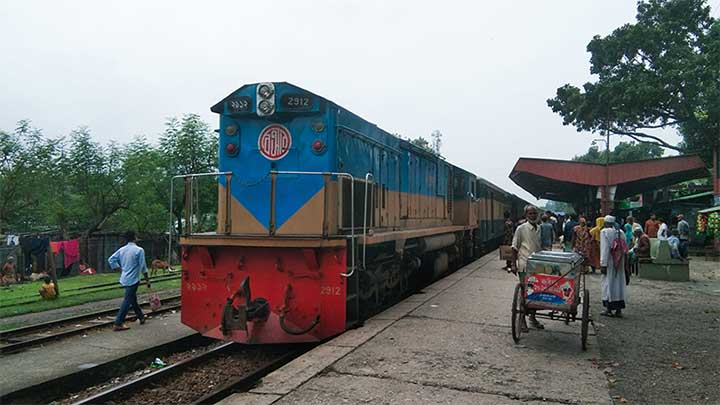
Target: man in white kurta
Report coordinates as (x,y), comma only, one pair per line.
(613,278)
(526,241)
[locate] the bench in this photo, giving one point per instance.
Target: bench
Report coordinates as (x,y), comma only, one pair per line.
(661,266)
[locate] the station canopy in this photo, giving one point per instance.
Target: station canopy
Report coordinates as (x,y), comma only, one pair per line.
(571,181)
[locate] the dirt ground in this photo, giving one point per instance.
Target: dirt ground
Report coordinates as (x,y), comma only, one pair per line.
(666,348)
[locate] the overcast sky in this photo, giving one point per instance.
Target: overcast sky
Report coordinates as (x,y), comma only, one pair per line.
(480,72)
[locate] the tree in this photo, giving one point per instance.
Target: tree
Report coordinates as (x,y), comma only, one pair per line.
(436,137)
(96,189)
(423,143)
(660,72)
(189,146)
(623,152)
(25,160)
(144,184)
(559,206)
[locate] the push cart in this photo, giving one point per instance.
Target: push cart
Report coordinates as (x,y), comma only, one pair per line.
(550,288)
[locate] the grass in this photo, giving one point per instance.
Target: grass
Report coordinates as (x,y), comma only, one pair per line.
(12,297)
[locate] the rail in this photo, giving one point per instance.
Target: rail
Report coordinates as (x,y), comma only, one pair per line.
(188,203)
(189,208)
(273,178)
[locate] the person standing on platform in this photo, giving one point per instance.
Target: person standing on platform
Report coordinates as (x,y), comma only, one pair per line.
(663,232)
(684,235)
(612,267)
(508,237)
(674,243)
(628,227)
(651,226)
(130,260)
(595,243)
(547,233)
(582,242)
(526,242)
(568,231)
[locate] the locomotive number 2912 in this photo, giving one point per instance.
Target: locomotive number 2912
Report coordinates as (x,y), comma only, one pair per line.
(296,101)
(328,290)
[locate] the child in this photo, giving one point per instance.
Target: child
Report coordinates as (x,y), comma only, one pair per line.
(47,291)
(8,271)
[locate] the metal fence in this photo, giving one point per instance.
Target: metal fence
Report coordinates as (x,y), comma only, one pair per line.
(96,249)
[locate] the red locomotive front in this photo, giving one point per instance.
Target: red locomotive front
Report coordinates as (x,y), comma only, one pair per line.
(264,294)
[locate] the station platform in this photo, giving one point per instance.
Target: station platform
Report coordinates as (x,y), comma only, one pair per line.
(80,352)
(450,343)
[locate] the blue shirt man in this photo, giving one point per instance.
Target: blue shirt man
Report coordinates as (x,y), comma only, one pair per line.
(130,261)
(568,233)
(547,233)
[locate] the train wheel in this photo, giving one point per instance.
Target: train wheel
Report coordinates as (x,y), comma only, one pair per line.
(585,318)
(518,313)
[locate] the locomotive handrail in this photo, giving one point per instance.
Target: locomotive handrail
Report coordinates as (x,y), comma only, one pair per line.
(352,207)
(188,223)
(368,176)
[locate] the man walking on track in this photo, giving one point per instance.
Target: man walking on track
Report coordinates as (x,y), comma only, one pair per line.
(526,242)
(130,260)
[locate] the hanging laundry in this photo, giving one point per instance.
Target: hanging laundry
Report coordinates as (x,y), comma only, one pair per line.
(26,244)
(71,249)
(39,248)
(56,247)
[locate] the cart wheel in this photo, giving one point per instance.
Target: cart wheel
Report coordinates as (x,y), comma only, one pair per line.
(585,318)
(518,313)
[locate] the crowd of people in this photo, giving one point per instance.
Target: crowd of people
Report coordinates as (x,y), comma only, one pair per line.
(611,246)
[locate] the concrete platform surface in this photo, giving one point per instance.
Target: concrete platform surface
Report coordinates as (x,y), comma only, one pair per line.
(39,364)
(450,344)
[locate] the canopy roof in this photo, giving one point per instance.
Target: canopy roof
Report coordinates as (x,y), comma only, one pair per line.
(571,181)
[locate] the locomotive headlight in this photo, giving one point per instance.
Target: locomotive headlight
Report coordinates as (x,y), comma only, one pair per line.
(231,130)
(265,99)
(265,90)
(265,107)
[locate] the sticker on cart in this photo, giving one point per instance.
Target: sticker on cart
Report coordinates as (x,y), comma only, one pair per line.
(546,288)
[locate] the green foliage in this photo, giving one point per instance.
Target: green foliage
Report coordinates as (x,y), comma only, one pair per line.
(423,143)
(559,206)
(661,72)
(80,186)
(25,161)
(189,146)
(623,152)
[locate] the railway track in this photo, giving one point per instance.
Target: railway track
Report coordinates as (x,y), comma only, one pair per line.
(204,378)
(87,381)
(28,336)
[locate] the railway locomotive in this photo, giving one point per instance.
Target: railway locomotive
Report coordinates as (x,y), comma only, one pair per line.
(324,219)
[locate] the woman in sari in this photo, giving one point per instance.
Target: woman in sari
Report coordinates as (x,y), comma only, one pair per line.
(582,241)
(595,243)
